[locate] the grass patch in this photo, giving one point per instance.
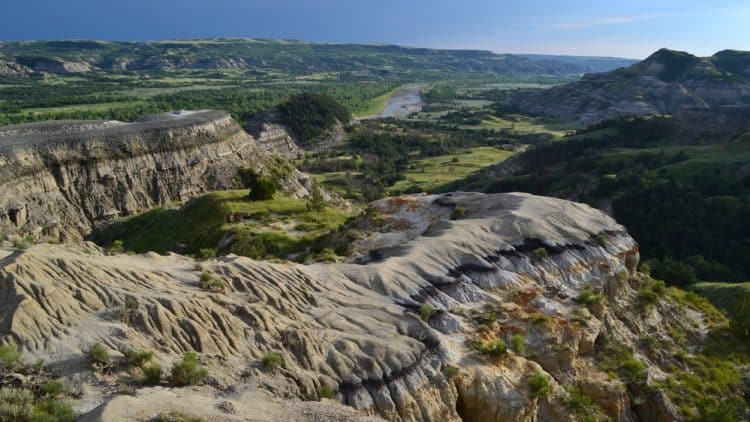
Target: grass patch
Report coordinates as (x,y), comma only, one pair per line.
(279,227)
(152,374)
(98,356)
(434,174)
(272,360)
(187,371)
(539,385)
(211,283)
(493,348)
(426,312)
(326,392)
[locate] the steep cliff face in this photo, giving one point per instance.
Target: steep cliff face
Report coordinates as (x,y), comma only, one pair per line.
(401,331)
(60,179)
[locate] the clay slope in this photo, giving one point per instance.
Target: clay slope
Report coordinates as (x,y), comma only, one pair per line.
(512,264)
(60,179)
(665,83)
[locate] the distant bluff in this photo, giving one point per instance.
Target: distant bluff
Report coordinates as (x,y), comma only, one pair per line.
(60,179)
(667,82)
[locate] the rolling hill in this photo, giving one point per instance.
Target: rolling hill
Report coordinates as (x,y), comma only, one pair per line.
(667,82)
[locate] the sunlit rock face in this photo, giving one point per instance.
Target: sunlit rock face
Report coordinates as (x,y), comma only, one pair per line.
(61,179)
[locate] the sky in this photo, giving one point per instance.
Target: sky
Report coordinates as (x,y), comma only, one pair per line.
(633,28)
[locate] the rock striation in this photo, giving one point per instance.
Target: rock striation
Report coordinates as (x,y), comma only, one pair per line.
(60,179)
(394,331)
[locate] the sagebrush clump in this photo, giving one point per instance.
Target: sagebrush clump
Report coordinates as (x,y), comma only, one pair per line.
(187,371)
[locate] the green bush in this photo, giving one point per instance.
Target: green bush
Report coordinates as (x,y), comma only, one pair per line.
(458,212)
(272,360)
(326,392)
(187,371)
(10,357)
(315,201)
(540,385)
(53,410)
(98,356)
(618,359)
(539,253)
(152,374)
(211,283)
(518,344)
(137,358)
(493,348)
(116,247)
(207,253)
(587,297)
(53,389)
(15,404)
(263,189)
(450,372)
(426,311)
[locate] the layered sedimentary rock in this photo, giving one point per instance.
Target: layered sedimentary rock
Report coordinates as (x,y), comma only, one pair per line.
(60,179)
(381,331)
(664,83)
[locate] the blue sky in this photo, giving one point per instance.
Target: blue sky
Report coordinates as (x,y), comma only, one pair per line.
(632,28)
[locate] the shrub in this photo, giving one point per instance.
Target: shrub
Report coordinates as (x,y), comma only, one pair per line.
(247,176)
(22,244)
(326,392)
(10,357)
(272,360)
(493,348)
(619,359)
(53,389)
(263,189)
(53,410)
(539,253)
(187,371)
(601,240)
(315,201)
(587,297)
(116,247)
(137,357)
(458,212)
(128,310)
(15,404)
(207,253)
(740,322)
(98,356)
(450,372)
(578,401)
(651,293)
(152,374)
(426,311)
(539,385)
(518,344)
(211,283)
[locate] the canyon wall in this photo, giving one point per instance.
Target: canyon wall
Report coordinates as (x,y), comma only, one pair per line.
(61,179)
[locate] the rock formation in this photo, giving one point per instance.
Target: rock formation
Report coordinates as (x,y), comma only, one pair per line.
(60,179)
(664,83)
(395,332)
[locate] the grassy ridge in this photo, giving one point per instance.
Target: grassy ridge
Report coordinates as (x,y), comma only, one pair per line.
(277,228)
(723,295)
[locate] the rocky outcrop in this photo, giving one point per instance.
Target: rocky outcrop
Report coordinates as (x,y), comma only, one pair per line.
(56,65)
(273,136)
(60,179)
(664,83)
(9,67)
(277,139)
(394,332)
